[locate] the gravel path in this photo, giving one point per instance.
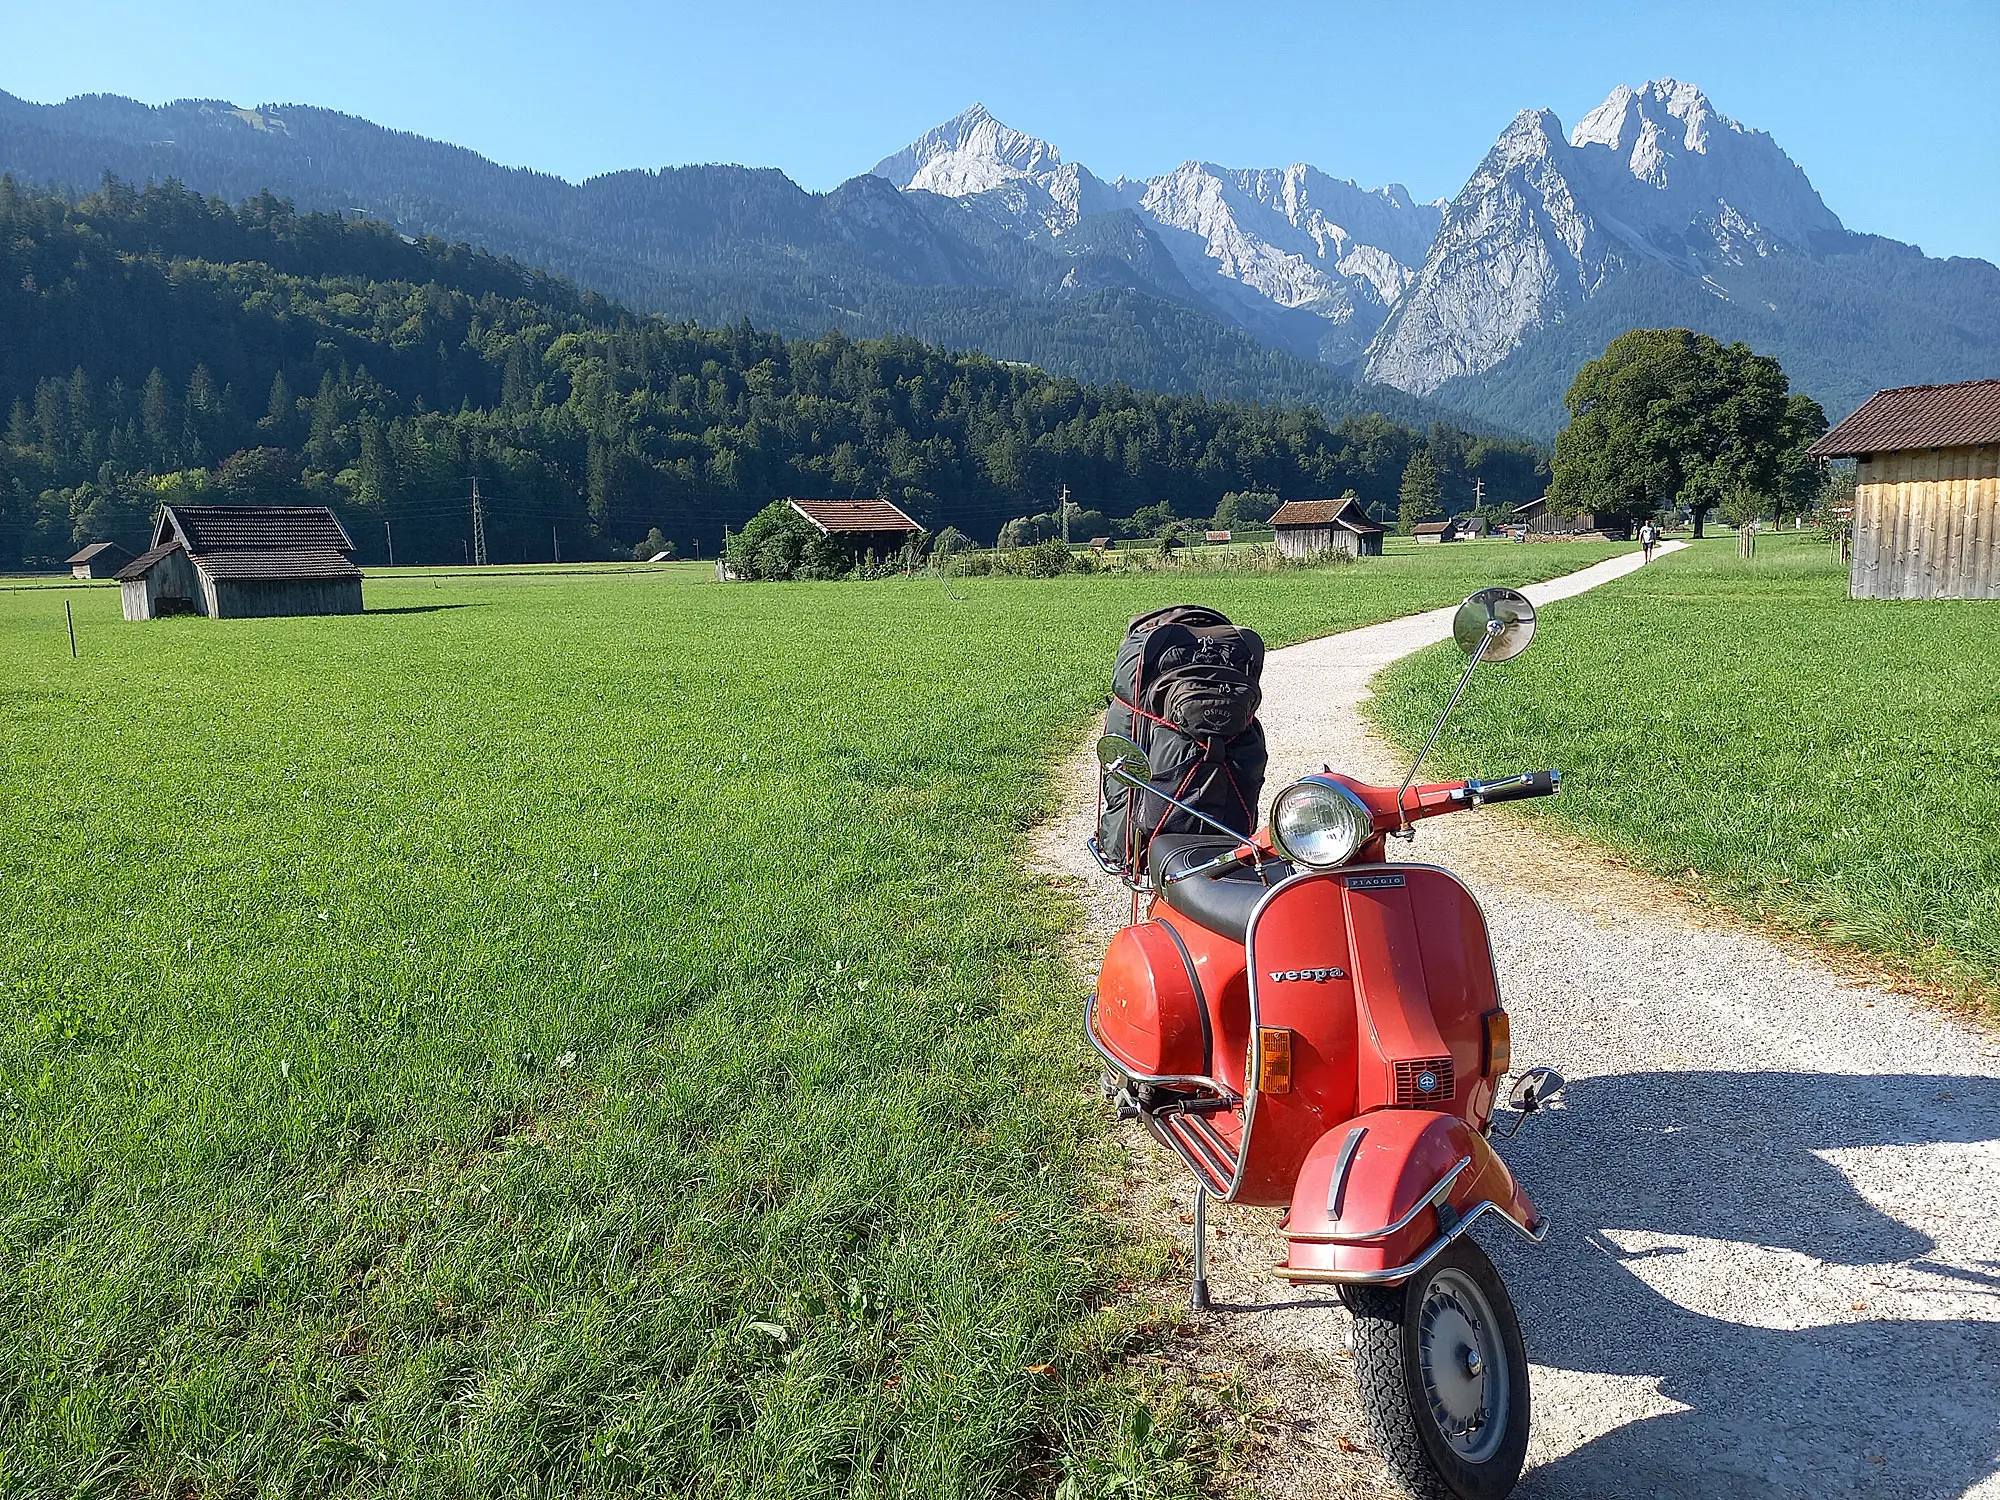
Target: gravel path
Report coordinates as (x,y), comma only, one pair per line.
(1775,1262)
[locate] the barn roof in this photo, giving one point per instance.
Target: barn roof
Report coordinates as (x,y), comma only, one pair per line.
(854,515)
(253,543)
(1918,416)
(99,549)
(1346,513)
(140,565)
(1430,528)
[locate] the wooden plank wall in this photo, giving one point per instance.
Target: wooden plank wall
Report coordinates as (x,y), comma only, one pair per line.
(1927,525)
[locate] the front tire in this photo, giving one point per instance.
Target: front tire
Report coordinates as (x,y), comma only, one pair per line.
(1444,1377)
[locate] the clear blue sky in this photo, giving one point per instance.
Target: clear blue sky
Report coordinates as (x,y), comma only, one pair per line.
(1891,109)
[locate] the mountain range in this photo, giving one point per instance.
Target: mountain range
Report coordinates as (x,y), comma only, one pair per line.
(1284,283)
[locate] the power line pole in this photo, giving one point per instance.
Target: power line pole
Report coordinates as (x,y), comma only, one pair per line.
(1478,493)
(390,538)
(1065,514)
(478,527)
(555,542)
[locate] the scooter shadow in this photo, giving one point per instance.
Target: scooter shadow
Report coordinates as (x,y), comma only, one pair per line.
(1851,1404)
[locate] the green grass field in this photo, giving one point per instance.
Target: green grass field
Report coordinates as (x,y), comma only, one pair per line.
(567,1033)
(1828,764)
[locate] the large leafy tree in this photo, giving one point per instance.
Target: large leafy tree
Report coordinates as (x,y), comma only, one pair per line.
(1668,417)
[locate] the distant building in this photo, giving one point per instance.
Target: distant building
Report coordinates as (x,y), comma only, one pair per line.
(1434,531)
(1099,543)
(1536,518)
(1215,536)
(874,525)
(1470,527)
(1312,528)
(99,560)
(234,561)
(1926,491)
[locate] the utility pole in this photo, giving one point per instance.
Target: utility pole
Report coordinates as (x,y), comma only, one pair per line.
(1478,493)
(555,542)
(478,527)
(389,537)
(1064,502)
(467,550)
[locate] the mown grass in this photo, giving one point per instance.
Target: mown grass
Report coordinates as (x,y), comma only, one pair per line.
(1828,764)
(566,1034)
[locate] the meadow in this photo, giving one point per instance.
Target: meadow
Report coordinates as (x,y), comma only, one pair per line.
(582,1033)
(1826,764)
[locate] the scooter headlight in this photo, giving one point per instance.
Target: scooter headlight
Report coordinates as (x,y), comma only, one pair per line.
(1320,823)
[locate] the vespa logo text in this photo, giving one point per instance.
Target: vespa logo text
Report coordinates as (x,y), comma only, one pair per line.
(1310,976)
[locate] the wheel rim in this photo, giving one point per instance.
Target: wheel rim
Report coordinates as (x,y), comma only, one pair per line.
(1464,1366)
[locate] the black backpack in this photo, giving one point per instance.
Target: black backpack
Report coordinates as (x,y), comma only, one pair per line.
(1185,689)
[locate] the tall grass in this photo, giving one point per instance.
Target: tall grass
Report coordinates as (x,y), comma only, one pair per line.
(1828,763)
(582,1035)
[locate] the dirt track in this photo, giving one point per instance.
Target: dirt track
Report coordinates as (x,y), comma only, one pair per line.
(1775,1262)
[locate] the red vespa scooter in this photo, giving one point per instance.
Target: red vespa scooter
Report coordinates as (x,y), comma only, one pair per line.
(1309,1026)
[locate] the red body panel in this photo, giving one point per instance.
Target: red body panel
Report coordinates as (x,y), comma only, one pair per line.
(1371,968)
(1403,1154)
(1149,1013)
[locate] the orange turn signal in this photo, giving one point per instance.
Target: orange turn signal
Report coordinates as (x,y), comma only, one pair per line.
(1274,1060)
(1499,1056)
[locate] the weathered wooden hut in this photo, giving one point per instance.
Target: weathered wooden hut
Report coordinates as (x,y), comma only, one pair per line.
(234,561)
(1312,528)
(875,525)
(99,560)
(1926,491)
(1434,531)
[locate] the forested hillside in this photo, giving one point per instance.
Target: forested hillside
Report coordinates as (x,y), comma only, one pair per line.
(155,345)
(717,243)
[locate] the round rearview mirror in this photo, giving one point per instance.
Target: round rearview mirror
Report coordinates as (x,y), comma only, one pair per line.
(1502,618)
(1121,756)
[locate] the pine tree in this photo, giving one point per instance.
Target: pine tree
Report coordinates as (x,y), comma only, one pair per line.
(279,410)
(1419,496)
(156,412)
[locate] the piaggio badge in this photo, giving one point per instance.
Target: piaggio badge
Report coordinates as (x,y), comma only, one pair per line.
(1373,882)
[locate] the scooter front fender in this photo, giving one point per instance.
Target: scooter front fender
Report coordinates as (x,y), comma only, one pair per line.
(1383,1193)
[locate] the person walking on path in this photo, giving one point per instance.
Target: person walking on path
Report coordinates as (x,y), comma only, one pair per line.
(1649,537)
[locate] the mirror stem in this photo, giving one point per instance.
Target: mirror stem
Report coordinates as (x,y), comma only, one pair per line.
(1493,629)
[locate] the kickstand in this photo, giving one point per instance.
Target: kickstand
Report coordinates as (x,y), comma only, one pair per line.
(1199,1299)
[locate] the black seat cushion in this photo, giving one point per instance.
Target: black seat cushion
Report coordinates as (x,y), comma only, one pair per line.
(1221,905)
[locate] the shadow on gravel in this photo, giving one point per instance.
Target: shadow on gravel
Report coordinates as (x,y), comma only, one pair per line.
(1859,1406)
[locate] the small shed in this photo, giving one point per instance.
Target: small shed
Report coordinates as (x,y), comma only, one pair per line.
(1470,527)
(875,525)
(1434,531)
(1099,543)
(1536,518)
(99,560)
(1926,491)
(238,561)
(1217,537)
(1312,528)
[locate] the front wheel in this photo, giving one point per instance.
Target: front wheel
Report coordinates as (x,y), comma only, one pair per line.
(1444,1377)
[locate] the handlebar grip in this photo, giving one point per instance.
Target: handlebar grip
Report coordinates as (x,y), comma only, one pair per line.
(1516,788)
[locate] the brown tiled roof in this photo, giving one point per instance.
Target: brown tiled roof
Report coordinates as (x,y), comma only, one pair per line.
(96,550)
(1430,528)
(1343,513)
(247,566)
(139,565)
(854,515)
(255,528)
(1918,416)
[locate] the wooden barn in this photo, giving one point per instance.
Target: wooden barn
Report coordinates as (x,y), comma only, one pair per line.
(99,560)
(235,561)
(1926,491)
(1434,531)
(1536,518)
(1313,528)
(868,525)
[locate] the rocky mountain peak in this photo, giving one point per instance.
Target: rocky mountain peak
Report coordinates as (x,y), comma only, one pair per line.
(970,153)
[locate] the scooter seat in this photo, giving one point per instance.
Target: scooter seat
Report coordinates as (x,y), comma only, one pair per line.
(1222,905)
